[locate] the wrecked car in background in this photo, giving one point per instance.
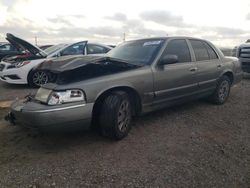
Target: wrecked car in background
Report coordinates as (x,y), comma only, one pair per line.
(21,69)
(243,53)
(7,49)
(134,78)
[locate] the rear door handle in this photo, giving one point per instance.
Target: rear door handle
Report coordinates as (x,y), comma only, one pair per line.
(219,66)
(193,69)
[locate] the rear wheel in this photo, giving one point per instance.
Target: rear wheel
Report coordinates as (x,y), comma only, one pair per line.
(116,114)
(222,91)
(38,78)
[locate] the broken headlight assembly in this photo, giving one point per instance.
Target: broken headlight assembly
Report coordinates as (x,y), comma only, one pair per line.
(60,97)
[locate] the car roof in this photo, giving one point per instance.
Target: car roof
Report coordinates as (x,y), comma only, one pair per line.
(169,37)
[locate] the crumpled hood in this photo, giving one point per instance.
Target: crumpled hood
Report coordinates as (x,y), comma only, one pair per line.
(76,68)
(66,63)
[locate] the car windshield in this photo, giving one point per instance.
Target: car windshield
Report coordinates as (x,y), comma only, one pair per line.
(140,52)
(54,48)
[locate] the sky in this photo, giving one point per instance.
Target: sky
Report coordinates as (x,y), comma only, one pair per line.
(223,22)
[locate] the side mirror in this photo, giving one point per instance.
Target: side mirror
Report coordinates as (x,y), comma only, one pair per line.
(168,59)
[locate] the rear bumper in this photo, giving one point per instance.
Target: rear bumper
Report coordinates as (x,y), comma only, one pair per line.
(51,118)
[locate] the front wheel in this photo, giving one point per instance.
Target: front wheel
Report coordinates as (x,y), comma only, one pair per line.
(38,78)
(116,115)
(222,91)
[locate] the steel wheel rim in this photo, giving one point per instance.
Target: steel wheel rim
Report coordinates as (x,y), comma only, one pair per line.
(40,78)
(223,91)
(124,116)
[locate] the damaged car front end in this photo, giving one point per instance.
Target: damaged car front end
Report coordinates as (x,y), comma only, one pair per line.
(62,105)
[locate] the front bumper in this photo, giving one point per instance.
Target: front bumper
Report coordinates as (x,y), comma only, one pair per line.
(51,118)
(245,64)
(12,75)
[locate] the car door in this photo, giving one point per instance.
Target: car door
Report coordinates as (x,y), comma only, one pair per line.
(208,64)
(177,80)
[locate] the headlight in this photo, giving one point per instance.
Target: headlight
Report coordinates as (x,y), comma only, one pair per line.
(43,94)
(59,97)
(22,64)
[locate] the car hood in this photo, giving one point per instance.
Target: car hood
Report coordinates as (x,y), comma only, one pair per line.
(23,45)
(77,68)
(245,45)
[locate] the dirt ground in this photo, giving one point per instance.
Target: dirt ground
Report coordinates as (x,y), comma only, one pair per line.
(193,145)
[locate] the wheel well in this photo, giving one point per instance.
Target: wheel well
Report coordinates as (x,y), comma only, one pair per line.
(133,96)
(230,76)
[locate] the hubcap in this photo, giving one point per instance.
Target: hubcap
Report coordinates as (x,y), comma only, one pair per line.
(40,78)
(223,91)
(124,116)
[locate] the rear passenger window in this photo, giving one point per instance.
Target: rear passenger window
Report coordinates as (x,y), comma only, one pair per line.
(211,52)
(96,49)
(200,51)
(179,48)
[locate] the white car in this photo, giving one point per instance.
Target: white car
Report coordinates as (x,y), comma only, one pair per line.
(21,69)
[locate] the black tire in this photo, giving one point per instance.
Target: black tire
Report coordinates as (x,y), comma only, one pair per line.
(115,116)
(222,91)
(37,83)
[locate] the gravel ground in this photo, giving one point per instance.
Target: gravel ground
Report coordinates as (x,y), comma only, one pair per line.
(12,91)
(193,145)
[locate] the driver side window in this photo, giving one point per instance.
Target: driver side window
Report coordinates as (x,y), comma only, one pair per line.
(179,48)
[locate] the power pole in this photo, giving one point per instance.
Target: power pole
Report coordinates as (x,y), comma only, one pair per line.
(36,40)
(124,37)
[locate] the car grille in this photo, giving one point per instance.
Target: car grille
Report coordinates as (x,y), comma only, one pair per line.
(244,52)
(2,67)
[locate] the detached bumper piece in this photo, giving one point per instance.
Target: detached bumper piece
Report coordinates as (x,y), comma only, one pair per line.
(43,117)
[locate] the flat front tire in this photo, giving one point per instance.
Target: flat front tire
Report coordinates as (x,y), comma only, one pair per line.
(116,114)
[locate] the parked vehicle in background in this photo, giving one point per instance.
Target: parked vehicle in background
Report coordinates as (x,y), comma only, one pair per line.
(43,47)
(21,69)
(243,53)
(7,49)
(134,78)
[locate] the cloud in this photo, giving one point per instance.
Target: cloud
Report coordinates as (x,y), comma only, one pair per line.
(60,20)
(225,31)
(117,17)
(163,17)
(66,28)
(248,16)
